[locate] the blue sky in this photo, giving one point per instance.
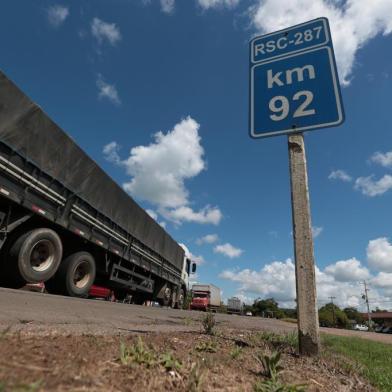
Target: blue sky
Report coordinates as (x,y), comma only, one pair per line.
(115,73)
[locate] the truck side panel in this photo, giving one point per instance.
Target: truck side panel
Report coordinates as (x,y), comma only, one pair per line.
(215,296)
(27,130)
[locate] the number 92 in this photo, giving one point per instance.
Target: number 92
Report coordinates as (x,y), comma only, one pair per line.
(280,106)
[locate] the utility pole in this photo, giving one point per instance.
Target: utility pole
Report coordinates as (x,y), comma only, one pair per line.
(333,310)
(367,303)
(308,323)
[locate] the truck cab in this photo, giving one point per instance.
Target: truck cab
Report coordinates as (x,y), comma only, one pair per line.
(200,300)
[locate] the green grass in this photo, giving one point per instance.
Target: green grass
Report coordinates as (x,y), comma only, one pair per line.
(278,340)
(208,347)
(374,358)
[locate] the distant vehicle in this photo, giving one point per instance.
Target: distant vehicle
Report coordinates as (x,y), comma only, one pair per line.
(379,328)
(387,330)
(234,306)
(205,297)
(248,314)
(361,327)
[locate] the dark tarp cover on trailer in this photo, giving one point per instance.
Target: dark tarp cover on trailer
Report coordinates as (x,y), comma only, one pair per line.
(30,132)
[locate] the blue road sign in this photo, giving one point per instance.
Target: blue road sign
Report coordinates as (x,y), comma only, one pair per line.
(294,85)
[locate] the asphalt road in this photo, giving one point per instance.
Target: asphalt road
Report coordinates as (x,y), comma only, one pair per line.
(36,313)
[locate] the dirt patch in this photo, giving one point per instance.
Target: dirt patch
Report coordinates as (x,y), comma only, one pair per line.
(189,361)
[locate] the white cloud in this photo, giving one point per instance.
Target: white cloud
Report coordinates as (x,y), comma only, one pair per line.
(277,280)
(104,31)
(57,14)
(353,23)
(228,250)
(339,175)
(206,4)
(383,159)
(244,298)
(158,172)
(110,152)
(370,187)
(207,239)
(108,91)
(197,259)
(340,279)
(206,215)
(382,280)
(348,270)
(379,254)
(316,231)
(347,293)
(167,6)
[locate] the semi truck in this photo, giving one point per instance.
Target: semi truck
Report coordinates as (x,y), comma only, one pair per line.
(234,306)
(65,222)
(205,297)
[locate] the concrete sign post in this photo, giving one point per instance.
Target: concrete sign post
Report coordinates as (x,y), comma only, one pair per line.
(294,87)
(307,314)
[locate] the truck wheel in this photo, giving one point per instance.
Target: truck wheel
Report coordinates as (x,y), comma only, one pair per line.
(34,257)
(167,297)
(181,299)
(75,276)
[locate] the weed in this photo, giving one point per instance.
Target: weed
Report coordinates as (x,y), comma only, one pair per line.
(195,379)
(32,387)
(208,347)
(137,353)
(95,340)
(169,362)
(209,323)
(271,368)
(279,341)
(3,333)
(276,386)
(188,321)
(235,352)
(270,364)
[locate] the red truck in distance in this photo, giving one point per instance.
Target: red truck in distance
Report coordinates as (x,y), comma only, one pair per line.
(205,297)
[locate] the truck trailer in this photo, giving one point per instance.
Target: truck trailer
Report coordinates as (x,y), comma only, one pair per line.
(234,306)
(205,297)
(65,222)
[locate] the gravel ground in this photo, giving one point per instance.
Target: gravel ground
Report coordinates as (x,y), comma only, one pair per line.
(190,361)
(55,343)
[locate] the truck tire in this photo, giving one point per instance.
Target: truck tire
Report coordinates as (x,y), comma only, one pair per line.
(34,257)
(180,299)
(75,276)
(167,297)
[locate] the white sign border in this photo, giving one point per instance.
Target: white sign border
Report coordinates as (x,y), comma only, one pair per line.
(299,129)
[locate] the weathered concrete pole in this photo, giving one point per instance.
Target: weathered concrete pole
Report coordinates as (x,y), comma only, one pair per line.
(308,325)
